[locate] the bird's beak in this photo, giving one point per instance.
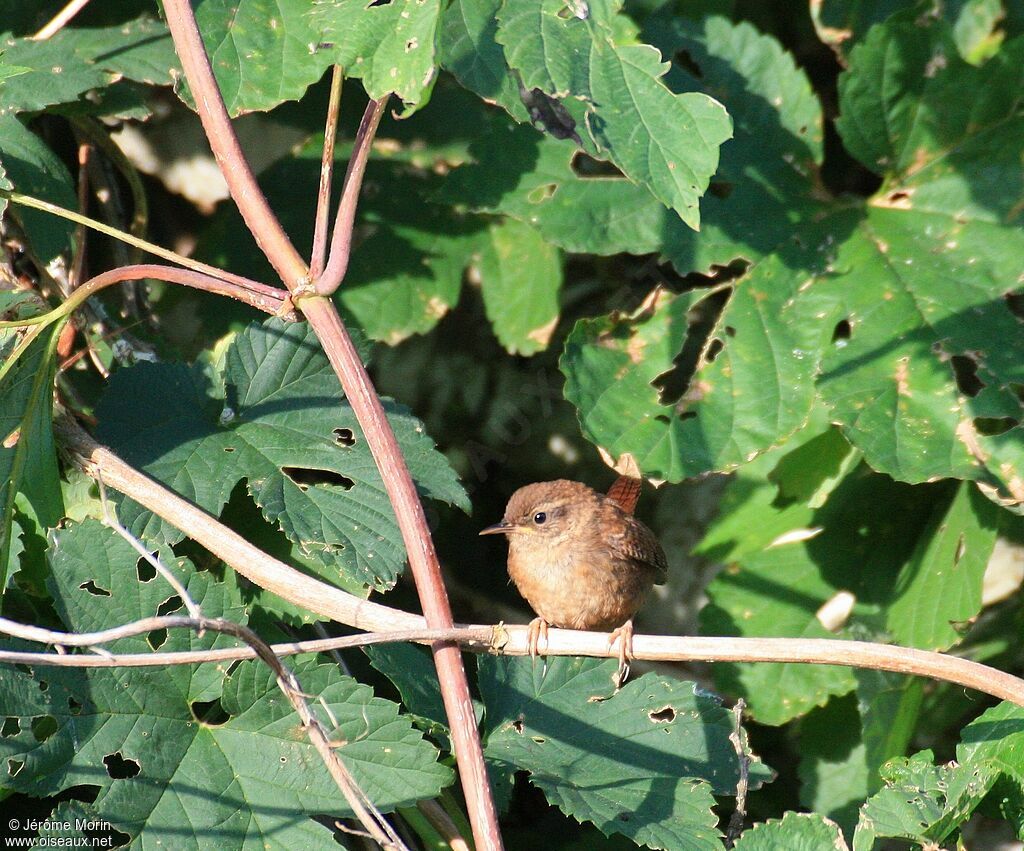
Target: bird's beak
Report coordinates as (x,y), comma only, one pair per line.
(502,528)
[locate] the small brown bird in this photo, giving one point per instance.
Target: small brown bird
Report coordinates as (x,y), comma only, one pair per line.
(580,558)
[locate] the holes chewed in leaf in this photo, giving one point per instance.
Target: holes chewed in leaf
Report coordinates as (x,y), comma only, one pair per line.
(373,4)
(94,589)
(965,369)
(662,716)
(517,725)
(144,570)
(119,768)
(10,728)
(305,478)
(584,165)
(170,605)
(156,638)
(991,426)
(714,349)
(210,713)
(344,437)
(842,331)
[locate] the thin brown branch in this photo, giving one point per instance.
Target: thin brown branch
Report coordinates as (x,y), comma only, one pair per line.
(341,239)
(318,257)
(369,816)
(241,181)
(392,624)
(58,21)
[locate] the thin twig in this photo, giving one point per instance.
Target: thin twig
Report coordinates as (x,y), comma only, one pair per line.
(78,253)
(341,239)
(268,299)
(153,561)
(369,816)
(144,245)
(59,20)
(241,181)
(743,782)
(323,199)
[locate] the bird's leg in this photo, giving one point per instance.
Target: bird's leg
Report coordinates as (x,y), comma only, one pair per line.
(538,628)
(623,635)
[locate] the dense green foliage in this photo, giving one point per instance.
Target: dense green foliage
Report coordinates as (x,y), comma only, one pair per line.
(701,237)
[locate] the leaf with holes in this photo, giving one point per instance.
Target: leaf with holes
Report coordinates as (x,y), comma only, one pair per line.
(666,142)
(286,429)
(241,774)
(919,386)
(644,761)
(922,802)
(752,389)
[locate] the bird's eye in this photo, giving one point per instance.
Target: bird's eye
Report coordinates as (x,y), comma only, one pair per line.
(539,517)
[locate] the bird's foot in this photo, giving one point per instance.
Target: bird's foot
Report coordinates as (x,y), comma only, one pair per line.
(624,636)
(538,628)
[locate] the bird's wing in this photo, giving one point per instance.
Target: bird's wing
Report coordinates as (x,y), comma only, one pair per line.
(638,543)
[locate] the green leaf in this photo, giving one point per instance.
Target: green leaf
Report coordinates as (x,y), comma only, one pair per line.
(939,589)
(390,46)
(762,187)
(245,779)
(75,61)
(288,432)
(521,276)
(793,832)
(811,472)
(468,49)
(922,802)
(33,169)
(666,142)
(642,762)
(411,670)
(28,458)
(753,387)
(996,738)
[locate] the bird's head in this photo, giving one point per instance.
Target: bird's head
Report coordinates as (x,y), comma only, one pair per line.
(545,511)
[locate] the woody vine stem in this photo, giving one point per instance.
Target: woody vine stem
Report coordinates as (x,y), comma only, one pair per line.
(311,297)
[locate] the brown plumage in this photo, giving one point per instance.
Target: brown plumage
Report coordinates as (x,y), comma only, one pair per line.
(578,558)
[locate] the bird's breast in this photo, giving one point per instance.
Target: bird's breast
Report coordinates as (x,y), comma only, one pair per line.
(578,589)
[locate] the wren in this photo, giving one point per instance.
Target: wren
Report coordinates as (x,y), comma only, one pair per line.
(581,560)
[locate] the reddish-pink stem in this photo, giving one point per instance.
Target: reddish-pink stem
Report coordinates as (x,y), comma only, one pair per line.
(318,257)
(268,299)
(324,319)
(426,570)
(245,191)
(341,240)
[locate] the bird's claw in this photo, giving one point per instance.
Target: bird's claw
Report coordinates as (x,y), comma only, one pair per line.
(624,636)
(537,629)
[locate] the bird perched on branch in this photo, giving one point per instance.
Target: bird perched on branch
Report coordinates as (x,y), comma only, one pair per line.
(581,559)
